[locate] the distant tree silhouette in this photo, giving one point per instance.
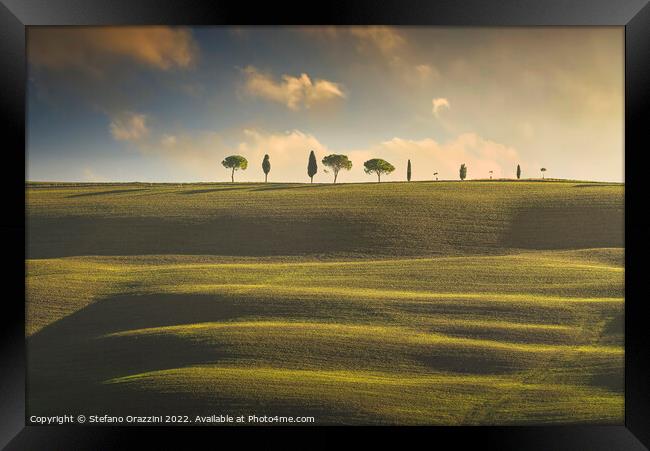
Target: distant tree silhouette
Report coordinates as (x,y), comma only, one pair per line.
(435,174)
(235,162)
(491,174)
(379,167)
(518,172)
(408,171)
(463,171)
(543,170)
(312,166)
(266,167)
(336,163)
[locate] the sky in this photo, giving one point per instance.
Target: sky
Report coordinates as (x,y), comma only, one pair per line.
(168,104)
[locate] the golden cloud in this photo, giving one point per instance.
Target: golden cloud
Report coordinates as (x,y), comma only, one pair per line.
(294,92)
(387,40)
(92,48)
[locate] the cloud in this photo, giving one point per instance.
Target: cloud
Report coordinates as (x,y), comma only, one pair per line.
(385,39)
(388,42)
(418,76)
(385,45)
(283,146)
(426,71)
(197,154)
(439,104)
(288,150)
(92,49)
(294,92)
(129,126)
(428,156)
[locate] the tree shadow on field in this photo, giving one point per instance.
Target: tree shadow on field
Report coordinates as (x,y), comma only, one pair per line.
(566,227)
(282,186)
(214,190)
(104,193)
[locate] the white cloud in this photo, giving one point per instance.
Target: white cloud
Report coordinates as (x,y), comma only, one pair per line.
(129,126)
(439,104)
(294,92)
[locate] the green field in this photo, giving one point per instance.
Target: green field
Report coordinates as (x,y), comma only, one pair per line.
(393,303)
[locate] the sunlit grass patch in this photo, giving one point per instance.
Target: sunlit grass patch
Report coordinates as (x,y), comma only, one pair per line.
(375,397)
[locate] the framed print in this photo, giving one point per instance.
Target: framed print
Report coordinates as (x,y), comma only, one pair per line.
(407,214)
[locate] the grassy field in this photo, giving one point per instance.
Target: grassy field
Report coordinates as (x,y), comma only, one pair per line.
(418,303)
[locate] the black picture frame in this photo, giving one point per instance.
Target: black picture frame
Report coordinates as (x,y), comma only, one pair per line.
(16,15)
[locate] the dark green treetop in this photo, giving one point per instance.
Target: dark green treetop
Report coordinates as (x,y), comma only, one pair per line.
(235,162)
(336,163)
(266,167)
(378,166)
(312,166)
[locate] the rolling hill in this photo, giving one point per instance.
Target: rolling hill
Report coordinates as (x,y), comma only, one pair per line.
(393,303)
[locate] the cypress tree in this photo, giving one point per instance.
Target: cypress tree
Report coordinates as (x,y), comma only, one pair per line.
(266,167)
(312,167)
(518,172)
(408,171)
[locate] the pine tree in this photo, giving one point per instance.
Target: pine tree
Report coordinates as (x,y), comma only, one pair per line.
(337,162)
(235,162)
(378,166)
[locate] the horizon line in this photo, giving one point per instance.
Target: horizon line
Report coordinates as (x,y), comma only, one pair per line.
(108,182)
